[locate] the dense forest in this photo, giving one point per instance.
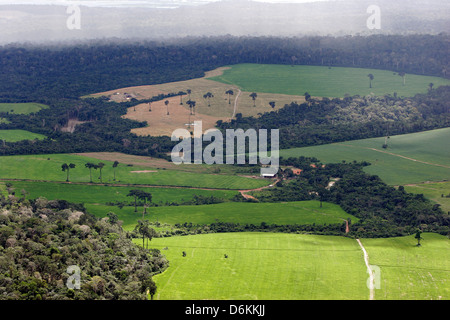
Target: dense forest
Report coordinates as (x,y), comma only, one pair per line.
(382,210)
(58,75)
(321,121)
(41,239)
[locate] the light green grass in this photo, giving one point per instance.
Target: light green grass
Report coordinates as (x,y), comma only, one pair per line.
(434,192)
(261,266)
(38,167)
(19,135)
(323,81)
(301,212)
(408,272)
(22,108)
(100,194)
(395,169)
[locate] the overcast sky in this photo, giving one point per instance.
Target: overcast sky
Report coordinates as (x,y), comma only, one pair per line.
(133,3)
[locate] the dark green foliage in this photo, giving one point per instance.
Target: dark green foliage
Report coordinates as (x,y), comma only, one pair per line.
(39,241)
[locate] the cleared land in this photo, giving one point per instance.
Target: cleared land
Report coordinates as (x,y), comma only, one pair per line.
(261,266)
(19,135)
(438,192)
(21,108)
(48,168)
(300,267)
(301,212)
(410,158)
(324,81)
(408,272)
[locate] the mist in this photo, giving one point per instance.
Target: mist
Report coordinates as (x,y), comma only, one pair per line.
(163,20)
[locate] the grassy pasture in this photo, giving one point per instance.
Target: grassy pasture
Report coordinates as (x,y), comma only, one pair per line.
(323,81)
(434,192)
(101,194)
(301,267)
(410,158)
(261,266)
(38,167)
(408,272)
(22,108)
(302,212)
(18,135)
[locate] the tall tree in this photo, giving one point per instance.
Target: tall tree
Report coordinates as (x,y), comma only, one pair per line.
(115,165)
(371,77)
(134,193)
(90,166)
(167,106)
(253,95)
(146,196)
(418,237)
(66,167)
(403,75)
(229,93)
(181,94)
(430,86)
(100,166)
(208,96)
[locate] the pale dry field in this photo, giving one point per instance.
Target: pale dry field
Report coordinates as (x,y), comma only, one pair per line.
(219,107)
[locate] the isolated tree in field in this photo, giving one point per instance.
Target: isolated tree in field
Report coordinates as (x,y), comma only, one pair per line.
(90,165)
(254,95)
(150,107)
(418,237)
(66,167)
(430,86)
(191,105)
(189,91)
(371,77)
(134,193)
(307,96)
(167,106)
(208,96)
(229,93)
(100,166)
(146,196)
(272,104)
(115,165)
(403,75)
(181,94)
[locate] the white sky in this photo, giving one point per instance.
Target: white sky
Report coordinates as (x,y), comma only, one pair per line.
(102,3)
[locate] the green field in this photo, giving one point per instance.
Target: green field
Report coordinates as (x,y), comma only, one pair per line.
(261,266)
(300,267)
(302,212)
(438,192)
(18,135)
(101,194)
(21,108)
(48,168)
(323,81)
(408,272)
(409,158)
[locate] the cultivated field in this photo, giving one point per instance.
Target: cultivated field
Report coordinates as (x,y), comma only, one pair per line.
(410,158)
(21,108)
(18,135)
(301,212)
(324,81)
(438,192)
(48,168)
(301,267)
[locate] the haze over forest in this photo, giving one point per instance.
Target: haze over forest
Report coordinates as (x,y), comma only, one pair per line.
(159,20)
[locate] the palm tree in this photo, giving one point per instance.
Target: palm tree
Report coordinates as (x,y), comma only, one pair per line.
(167,106)
(371,77)
(208,96)
(229,93)
(189,93)
(66,167)
(134,193)
(90,165)
(253,95)
(191,105)
(403,75)
(115,164)
(100,166)
(181,94)
(145,196)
